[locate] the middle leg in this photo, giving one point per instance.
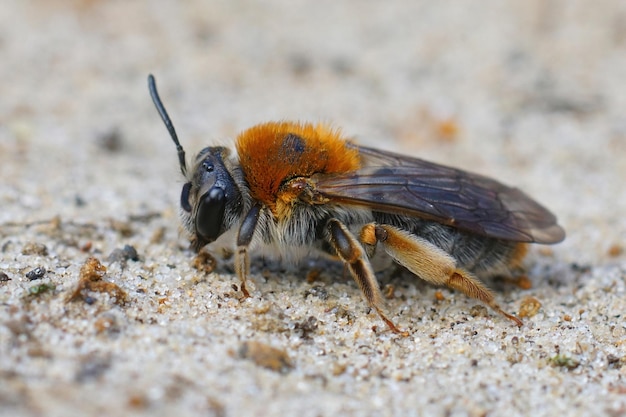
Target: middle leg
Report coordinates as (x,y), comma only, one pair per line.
(351,252)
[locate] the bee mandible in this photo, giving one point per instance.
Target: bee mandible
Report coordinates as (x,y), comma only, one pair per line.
(300,188)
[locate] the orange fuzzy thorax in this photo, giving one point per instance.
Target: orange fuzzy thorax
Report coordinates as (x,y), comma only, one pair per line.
(272,153)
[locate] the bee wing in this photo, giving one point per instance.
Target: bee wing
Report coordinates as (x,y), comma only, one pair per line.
(398,184)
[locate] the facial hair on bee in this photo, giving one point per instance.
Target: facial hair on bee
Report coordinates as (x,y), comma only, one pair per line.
(302,187)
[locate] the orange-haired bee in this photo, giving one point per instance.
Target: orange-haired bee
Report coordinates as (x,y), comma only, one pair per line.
(300,187)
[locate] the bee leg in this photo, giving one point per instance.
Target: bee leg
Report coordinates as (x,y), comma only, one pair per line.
(354,257)
(244,238)
(430,263)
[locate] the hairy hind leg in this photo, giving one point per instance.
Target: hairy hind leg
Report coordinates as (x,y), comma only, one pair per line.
(429,262)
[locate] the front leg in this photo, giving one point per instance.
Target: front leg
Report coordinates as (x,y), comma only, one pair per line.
(353,255)
(244,238)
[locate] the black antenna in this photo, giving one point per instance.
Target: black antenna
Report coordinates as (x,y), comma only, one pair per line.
(168,123)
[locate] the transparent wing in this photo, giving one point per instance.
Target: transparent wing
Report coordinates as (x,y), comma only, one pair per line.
(398,184)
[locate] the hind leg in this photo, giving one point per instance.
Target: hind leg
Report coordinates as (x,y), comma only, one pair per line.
(429,262)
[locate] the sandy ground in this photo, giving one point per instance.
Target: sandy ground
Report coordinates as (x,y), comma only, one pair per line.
(530,92)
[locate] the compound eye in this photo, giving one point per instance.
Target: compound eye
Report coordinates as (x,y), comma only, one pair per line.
(210,215)
(208,166)
(184,198)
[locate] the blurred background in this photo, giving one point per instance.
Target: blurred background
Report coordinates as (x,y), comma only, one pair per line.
(531,92)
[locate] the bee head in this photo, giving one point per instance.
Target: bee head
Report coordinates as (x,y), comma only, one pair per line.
(210,200)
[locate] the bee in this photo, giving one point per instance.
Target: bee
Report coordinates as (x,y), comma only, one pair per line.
(300,188)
